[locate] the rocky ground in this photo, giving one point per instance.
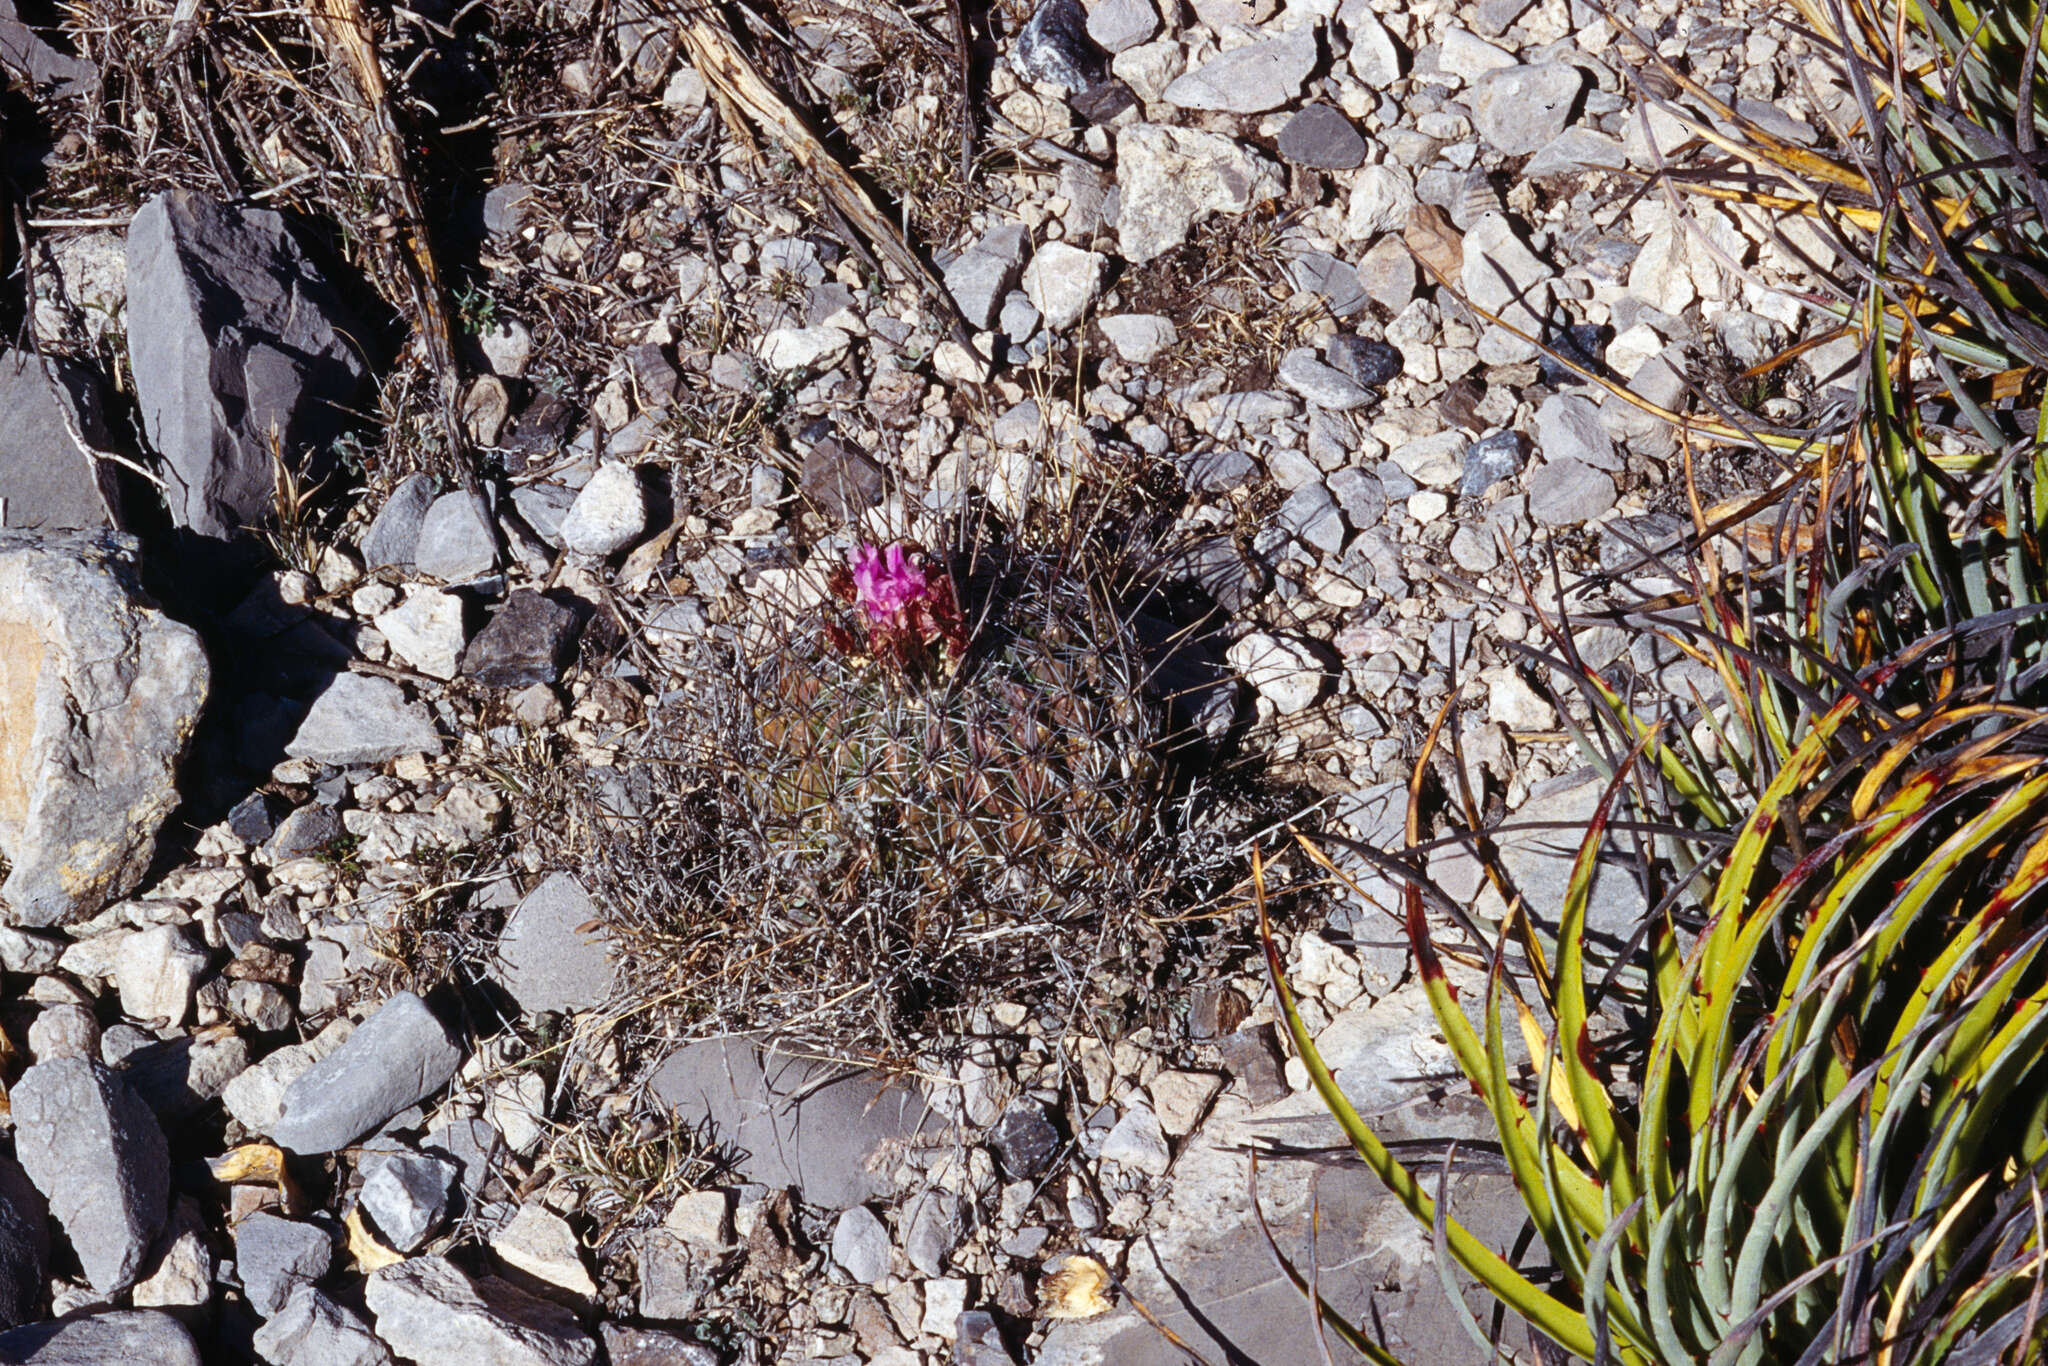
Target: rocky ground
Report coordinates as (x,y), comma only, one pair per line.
(336,1026)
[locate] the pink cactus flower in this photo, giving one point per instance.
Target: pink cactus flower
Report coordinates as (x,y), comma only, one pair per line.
(886,582)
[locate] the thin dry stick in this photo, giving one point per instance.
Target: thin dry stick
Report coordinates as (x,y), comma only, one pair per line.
(352,44)
(718,58)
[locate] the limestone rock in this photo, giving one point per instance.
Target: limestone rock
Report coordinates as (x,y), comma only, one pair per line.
(99,693)
(1169,179)
(96,1153)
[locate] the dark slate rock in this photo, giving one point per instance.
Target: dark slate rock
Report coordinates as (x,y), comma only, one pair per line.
(48,480)
(1054,47)
(1584,344)
(1253,1057)
(1371,363)
(977,1341)
(275,1256)
(312,1330)
(395,533)
(1321,137)
(97,1154)
(542,507)
(128,1337)
(1103,101)
(841,479)
(1025,1142)
(528,641)
(1489,461)
(24,1246)
(800,1122)
(305,830)
(552,961)
(251,819)
(400,1055)
(232,336)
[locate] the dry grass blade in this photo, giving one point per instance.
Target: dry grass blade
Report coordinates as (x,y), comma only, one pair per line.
(719,58)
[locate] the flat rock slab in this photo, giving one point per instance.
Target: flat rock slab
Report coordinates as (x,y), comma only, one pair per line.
(400,1055)
(430,1313)
(99,694)
(312,1330)
(98,1156)
(795,1131)
(239,350)
(1169,179)
(551,961)
(361,720)
(119,1335)
(49,482)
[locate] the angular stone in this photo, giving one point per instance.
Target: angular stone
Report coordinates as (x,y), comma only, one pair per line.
(1318,272)
(127,1336)
(426,630)
(626,1345)
(933,1224)
(1062,281)
(1322,385)
(860,1244)
(608,515)
(362,720)
(528,641)
(432,1314)
(1321,137)
(981,276)
(1250,79)
(1138,1142)
(1567,492)
(23,51)
(394,533)
(99,693)
(540,1243)
(312,1330)
(1568,427)
(24,1246)
(1054,49)
(240,352)
(1025,1142)
(1138,337)
(799,1122)
(96,1153)
(1489,461)
(840,478)
(156,971)
(1285,672)
(1169,179)
(275,1257)
(1521,108)
(48,481)
(555,951)
(456,542)
(1120,24)
(400,1055)
(406,1196)
(1576,149)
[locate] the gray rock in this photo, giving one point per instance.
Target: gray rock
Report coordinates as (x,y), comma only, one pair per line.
(312,1330)
(24,1246)
(473,1145)
(430,1313)
(156,971)
(427,630)
(1502,276)
(978,1341)
(1318,272)
(609,514)
(1568,427)
(1360,495)
(505,207)
(99,693)
(1025,1142)
(1119,24)
(456,541)
(1138,337)
(1489,461)
(240,354)
(400,1055)
(1138,1142)
(860,1244)
(1371,363)
(276,1257)
(1218,471)
(362,720)
(124,1336)
(986,272)
(1168,179)
(394,534)
(1054,49)
(407,1196)
(96,1153)
(63,1031)
(1567,492)
(1286,672)
(799,1122)
(551,961)
(633,1346)
(840,478)
(933,1223)
(1062,281)
(527,642)
(1576,149)
(176,1078)
(1019,318)
(1310,515)
(1321,137)
(23,51)
(305,830)
(1521,108)
(1251,79)
(1323,385)
(48,481)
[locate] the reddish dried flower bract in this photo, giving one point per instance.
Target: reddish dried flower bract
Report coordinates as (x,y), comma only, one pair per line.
(906,610)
